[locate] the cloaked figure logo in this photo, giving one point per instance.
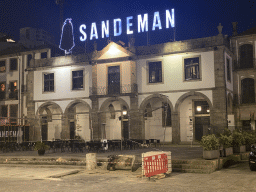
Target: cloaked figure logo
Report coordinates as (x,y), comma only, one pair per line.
(67,38)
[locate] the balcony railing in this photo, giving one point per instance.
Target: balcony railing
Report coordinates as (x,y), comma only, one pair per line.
(124,89)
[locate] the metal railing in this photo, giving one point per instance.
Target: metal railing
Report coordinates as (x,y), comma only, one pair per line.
(104,90)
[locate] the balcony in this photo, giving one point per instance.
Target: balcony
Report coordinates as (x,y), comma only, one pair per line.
(124,90)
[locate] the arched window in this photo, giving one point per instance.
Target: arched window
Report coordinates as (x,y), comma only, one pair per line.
(248,92)
(112,111)
(148,111)
(246,56)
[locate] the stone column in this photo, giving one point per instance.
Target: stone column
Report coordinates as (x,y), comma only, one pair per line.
(175,128)
(136,119)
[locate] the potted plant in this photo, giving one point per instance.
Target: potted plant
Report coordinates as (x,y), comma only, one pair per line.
(40,147)
(210,146)
(226,142)
(249,140)
(238,142)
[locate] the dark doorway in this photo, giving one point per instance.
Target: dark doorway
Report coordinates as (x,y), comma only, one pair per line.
(201,127)
(113,80)
(72,130)
(126,129)
(44,132)
(44,128)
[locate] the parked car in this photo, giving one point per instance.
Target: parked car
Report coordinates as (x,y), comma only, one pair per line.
(252,158)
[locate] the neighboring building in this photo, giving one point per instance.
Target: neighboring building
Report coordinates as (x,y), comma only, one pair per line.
(243,47)
(174,92)
(33,37)
(14,59)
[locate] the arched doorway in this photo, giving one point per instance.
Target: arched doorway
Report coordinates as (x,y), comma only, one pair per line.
(114,116)
(50,121)
(78,120)
(157,118)
(194,111)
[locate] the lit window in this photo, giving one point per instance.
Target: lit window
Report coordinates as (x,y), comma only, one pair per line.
(13,90)
(155,72)
(2,90)
(49,82)
(191,66)
(78,79)
(2,66)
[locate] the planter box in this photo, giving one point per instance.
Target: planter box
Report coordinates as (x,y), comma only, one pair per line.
(228,151)
(214,154)
(241,149)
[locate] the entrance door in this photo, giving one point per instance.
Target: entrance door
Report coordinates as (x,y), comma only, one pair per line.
(44,132)
(72,130)
(201,127)
(126,129)
(44,128)
(114,80)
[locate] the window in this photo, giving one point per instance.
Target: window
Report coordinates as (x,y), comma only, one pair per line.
(43,55)
(27,34)
(228,70)
(13,90)
(2,90)
(4,109)
(78,79)
(166,115)
(49,82)
(191,67)
(248,92)
(155,72)
(29,57)
(2,66)
(201,107)
(112,111)
(13,64)
(246,56)
(14,114)
(148,111)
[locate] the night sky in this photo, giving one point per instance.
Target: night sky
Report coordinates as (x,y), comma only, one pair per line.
(193,18)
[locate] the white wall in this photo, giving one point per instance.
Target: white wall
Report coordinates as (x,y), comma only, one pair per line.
(62,83)
(174,73)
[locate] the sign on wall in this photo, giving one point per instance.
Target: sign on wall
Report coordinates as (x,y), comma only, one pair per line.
(143,25)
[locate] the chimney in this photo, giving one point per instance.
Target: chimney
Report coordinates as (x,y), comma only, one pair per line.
(234,28)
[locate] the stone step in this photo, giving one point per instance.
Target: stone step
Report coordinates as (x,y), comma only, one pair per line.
(194,162)
(190,166)
(193,170)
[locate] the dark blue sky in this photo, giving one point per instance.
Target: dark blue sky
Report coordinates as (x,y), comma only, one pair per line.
(194,18)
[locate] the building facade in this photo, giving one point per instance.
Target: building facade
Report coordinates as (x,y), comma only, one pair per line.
(173,92)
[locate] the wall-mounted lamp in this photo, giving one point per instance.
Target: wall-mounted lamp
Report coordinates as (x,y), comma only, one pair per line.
(199,108)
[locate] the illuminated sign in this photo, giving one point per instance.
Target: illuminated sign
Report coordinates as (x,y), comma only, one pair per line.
(142,25)
(67,38)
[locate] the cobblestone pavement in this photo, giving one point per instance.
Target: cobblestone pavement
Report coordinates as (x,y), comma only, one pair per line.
(39,178)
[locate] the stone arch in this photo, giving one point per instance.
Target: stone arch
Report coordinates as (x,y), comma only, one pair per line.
(157,125)
(191,93)
(77,124)
(114,126)
(191,124)
(163,97)
(50,121)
